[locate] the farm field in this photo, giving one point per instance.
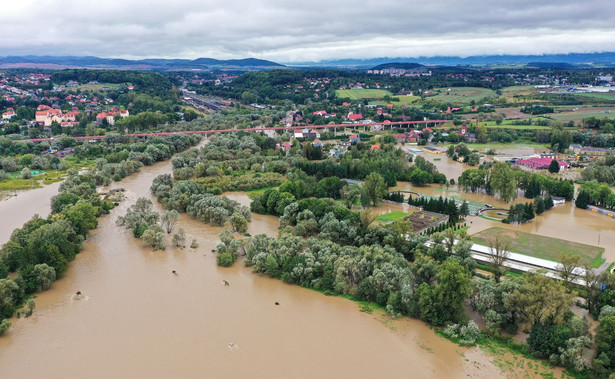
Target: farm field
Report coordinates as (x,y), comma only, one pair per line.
(603,96)
(460,95)
(403,100)
(509,125)
(356,94)
(542,247)
(583,113)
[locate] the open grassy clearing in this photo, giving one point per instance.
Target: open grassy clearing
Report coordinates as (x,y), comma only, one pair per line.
(403,100)
(460,95)
(391,216)
(99,86)
(508,125)
(542,247)
(357,94)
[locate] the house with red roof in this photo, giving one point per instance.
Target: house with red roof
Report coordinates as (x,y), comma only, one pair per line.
(374,147)
(110,116)
(355,116)
(354,138)
(8,114)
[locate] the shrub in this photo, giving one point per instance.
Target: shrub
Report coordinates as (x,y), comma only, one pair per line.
(225,259)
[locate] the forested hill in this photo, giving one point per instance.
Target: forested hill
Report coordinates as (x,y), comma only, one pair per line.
(402,65)
(153,64)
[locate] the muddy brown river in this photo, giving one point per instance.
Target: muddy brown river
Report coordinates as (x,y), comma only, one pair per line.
(138,320)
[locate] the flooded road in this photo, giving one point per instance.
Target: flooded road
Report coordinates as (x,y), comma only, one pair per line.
(138,320)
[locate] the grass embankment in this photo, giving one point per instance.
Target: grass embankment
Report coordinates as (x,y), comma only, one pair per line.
(543,247)
(391,216)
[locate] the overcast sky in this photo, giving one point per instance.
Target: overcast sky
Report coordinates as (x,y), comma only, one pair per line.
(298,31)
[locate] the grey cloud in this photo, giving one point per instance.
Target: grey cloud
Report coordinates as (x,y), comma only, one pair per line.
(299,31)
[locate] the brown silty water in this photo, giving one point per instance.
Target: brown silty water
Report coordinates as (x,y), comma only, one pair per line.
(16,210)
(138,320)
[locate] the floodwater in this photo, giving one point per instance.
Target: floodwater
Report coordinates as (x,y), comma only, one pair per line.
(16,210)
(138,320)
(562,221)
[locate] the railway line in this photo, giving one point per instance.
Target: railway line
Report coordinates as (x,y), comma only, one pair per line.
(218,131)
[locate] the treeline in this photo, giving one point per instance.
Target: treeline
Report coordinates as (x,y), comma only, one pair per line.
(359,162)
(441,205)
(602,170)
(592,193)
(522,213)
(152,83)
(505,181)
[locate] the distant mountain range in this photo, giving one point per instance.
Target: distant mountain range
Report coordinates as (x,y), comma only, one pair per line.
(247,64)
(574,59)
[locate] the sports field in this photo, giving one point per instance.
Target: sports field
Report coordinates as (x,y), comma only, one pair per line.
(358,94)
(542,247)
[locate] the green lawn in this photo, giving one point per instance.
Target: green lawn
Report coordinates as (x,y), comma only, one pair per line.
(543,247)
(403,100)
(357,94)
(391,216)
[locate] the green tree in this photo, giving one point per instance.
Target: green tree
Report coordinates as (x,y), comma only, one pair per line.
(540,299)
(582,200)
(83,217)
(503,181)
(350,194)
(168,220)
(154,237)
(554,167)
(445,302)
(374,188)
(238,223)
(605,343)
(225,259)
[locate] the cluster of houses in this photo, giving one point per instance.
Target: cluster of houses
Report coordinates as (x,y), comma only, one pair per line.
(420,71)
(46,115)
(591,151)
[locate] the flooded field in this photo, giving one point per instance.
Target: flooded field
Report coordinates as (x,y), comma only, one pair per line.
(563,221)
(138,320)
